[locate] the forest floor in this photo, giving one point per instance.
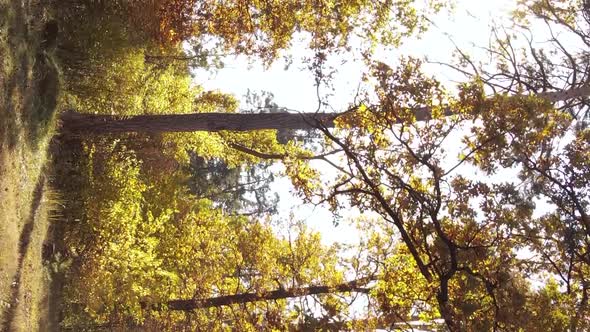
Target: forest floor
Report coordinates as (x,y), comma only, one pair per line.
(29,89)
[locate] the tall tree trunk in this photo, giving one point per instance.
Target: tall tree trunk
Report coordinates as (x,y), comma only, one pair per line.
(77,123)
(278,294)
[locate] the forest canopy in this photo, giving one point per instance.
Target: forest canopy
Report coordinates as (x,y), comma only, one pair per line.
(473,198)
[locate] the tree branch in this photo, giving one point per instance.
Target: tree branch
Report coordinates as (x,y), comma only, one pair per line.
(278,294)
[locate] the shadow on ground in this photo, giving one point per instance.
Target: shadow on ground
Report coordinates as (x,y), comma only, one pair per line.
(29,77)
(23,249)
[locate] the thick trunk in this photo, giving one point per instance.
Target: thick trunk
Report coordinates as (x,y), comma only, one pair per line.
(226,300)
(76,123)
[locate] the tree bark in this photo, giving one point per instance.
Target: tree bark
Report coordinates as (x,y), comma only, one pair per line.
(77,123)
(278,294)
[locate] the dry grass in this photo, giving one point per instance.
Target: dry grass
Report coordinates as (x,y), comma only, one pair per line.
(28,100)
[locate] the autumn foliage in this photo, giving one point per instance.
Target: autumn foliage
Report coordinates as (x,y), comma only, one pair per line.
(472,199)
(264,28)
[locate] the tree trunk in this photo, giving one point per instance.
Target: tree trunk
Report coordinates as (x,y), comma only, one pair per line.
(76,123)
(226,300)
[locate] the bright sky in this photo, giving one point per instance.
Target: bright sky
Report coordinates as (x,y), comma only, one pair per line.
(468,25)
